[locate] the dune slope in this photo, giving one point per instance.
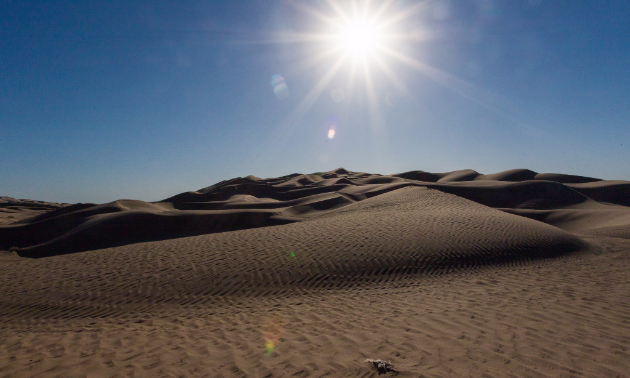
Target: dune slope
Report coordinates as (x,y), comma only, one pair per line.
(251,202)
(405,231)
(309,275)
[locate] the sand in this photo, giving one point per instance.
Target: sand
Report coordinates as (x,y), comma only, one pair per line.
(445,274)
(13,210)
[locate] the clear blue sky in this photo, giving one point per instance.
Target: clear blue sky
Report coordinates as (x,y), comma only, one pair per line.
(101,100)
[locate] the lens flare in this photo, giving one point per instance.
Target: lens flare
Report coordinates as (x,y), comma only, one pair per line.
(337,95)
(280,87)
(269,348)
(330,126)
(273,328)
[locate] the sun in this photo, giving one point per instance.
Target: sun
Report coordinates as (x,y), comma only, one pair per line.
(364,33)
(356,48)
(362,53)
(359,37)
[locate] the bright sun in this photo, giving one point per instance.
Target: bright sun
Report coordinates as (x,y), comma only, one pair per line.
(360,50)
(357,42)
(359,37)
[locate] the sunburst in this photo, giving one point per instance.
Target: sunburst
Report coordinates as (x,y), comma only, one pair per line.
(357,38)
(363,32)
(365,41)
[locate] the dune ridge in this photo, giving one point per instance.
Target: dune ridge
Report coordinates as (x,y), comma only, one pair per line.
(251,202)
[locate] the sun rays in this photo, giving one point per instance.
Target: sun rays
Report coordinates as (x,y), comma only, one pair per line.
(360,32)
(354,40)
(358,55)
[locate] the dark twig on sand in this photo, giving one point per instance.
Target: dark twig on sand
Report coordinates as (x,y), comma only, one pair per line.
(382,366)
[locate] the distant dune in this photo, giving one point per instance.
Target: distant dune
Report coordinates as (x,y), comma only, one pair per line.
(310,274)
(13,210)
(573,203)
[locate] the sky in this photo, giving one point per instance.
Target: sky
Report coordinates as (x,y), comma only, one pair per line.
(106,100)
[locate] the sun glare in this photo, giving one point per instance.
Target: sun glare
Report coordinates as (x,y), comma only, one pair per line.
(363,34)
(362,49)
(359,37)
(355,46)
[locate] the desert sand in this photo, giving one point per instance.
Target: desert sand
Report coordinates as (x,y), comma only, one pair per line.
(13,210)
(512,274)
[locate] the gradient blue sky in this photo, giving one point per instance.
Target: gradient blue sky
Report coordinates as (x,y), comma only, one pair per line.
(101,100)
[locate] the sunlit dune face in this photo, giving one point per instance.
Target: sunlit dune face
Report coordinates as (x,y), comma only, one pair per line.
(359,37)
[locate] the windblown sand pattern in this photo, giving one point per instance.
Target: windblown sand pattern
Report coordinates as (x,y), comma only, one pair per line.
(509,274)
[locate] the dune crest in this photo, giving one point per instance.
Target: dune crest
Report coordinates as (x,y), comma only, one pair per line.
(252,202)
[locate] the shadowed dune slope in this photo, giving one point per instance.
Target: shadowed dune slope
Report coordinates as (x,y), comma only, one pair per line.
(526,194)
(252,202)
(419,176)
(124,222)
(613,191)
(564,179)
(406,231)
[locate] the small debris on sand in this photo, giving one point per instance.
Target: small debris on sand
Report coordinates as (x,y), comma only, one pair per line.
(382,366)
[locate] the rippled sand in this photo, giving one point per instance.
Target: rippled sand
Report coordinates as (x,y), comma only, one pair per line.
(453,274)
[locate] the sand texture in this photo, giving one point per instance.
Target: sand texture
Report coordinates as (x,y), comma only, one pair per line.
(445,274)
(14,210)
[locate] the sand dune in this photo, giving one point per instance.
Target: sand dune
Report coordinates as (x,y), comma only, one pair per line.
(615,192)
(251,202)
(509,274)
(13,210)
(403,232)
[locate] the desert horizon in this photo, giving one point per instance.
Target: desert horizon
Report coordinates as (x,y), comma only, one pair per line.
(514,273)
